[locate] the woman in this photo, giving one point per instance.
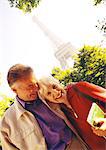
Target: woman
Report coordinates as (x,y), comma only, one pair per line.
(76,100)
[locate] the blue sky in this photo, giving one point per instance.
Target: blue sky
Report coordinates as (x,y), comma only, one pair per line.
(21,40)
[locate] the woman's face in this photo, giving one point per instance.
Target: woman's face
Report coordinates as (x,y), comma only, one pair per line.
(53,92)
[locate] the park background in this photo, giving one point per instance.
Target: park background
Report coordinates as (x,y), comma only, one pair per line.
(82,23)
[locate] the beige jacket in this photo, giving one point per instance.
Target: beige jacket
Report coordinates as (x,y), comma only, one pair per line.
(19,129)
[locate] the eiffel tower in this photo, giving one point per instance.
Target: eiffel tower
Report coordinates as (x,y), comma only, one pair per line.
(63,50)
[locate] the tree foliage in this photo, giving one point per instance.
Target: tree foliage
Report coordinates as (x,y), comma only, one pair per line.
(5,103)
(90,65)
(96,2)
(101,25)
(24,5)
(62,75)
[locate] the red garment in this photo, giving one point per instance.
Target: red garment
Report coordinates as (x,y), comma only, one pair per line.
(81,106)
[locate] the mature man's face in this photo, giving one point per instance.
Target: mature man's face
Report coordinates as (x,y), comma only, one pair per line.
(27,88)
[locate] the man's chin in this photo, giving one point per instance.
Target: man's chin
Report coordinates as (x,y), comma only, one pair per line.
(30,100)
(32,96)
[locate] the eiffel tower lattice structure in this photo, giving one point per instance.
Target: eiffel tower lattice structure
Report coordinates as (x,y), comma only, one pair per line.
(63,50)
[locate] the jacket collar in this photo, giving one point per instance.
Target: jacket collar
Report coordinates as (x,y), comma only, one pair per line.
(19,109)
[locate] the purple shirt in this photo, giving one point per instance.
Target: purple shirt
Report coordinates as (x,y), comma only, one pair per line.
(55,131)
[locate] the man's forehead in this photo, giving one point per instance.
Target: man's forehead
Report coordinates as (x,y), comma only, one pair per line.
(26,80)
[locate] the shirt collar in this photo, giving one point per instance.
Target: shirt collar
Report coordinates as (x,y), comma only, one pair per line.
(24,103)
(20,107)
(20,101)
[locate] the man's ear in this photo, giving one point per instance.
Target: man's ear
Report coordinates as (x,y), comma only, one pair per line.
(14,90)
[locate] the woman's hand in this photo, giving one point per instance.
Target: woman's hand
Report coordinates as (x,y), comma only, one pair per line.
(100,127)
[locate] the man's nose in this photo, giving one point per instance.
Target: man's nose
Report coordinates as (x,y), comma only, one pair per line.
(34,88)
(36,85)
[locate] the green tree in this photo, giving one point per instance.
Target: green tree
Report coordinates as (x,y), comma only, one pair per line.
(96,2)
(24,5)
(5,103)
(89,65)
(62,75)
(101,25)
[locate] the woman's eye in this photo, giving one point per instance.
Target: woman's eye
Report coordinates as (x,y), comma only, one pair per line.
(48,93)
(54,86)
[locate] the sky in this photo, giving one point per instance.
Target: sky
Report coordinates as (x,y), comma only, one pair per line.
(22,41)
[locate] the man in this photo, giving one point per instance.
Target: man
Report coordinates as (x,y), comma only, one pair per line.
(31,123)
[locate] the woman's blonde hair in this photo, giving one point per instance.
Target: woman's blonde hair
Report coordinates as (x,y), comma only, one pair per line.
(48,80)
(44,82)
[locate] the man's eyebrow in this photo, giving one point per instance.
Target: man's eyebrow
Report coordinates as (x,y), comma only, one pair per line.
(31,84)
